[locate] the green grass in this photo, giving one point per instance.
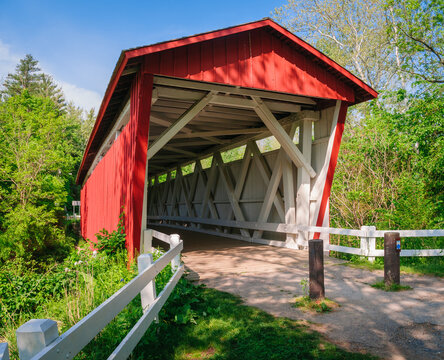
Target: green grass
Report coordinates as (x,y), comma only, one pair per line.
(195,323)
(423,266)
(393,287)
(304,303)
(225,328)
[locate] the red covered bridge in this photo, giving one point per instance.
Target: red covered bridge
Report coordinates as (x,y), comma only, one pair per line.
(172,104)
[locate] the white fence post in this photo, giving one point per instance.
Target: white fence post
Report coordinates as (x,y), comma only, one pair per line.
(4,351)
(364,242)
(368,242)
(371,243)
(147,241)
(34,335)
(174,241)
(148,293)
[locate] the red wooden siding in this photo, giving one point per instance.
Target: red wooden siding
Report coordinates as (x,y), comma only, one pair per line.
(260,55)
(256,59)
(117,182)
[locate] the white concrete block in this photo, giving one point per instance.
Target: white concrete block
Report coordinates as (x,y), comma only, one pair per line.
(35,335)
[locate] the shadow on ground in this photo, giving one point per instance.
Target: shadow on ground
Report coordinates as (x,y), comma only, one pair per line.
(402,325)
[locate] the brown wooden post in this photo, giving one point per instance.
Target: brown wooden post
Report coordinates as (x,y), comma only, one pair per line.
(391,259)
(316,268)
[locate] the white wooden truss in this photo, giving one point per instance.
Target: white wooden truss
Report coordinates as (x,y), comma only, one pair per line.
(191,120)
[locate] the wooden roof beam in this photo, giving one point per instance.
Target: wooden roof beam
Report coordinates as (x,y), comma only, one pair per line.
(179,124)
(196,85)
(238,102)
(179,151)
(232,143)
(204,134)
(281,135)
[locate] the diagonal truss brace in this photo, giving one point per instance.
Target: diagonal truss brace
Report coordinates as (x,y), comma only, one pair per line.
(169,133)
(230,191)
(281,135)
(273,185)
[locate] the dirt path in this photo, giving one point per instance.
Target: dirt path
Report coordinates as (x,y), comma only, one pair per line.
(402,325)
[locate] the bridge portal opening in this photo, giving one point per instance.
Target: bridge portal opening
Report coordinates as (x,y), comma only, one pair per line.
(174,110)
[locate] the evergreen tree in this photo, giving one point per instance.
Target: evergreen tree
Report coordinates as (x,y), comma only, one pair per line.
(27,76)
(47,88)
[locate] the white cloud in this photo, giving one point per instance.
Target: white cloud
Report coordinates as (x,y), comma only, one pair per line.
(84,98)
(8,60)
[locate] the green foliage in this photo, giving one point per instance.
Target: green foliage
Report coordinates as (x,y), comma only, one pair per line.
(233,154)
(419,35)
(424,266)
(41,145)
(24,287)
(114,242)
(227,329)
(65,291)
(36,161)
(305,303)
(355,33)
(28,286)
(389,171)
(393,287)
(188,169)
(28,77)
(206,163)
(305,286)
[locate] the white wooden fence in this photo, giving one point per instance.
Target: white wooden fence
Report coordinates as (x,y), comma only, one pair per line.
(367,234)
(38,339)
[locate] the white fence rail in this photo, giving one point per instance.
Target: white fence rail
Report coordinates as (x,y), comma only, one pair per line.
(368,237)
(367,234)
(38,339)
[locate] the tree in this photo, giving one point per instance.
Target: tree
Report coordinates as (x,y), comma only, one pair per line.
(26,77)
(87,125)
(419,30)
(355,33)
(37,159)
(389,171)
(48,88)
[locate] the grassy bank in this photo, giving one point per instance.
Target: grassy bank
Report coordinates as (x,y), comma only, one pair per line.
(195,323)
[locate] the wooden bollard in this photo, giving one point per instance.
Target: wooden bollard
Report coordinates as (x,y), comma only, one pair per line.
(316,268)
(391,258)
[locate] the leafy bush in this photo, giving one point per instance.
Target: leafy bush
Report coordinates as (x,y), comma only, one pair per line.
(26,286)
(23,288)
(114,242)
(37,157)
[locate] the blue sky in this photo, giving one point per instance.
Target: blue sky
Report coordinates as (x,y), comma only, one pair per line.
(79,42)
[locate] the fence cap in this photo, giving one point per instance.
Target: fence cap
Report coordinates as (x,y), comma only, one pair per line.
(36,325)
(35,335)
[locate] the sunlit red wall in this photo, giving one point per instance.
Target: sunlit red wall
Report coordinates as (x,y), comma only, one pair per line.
(256,59)
(117,182)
